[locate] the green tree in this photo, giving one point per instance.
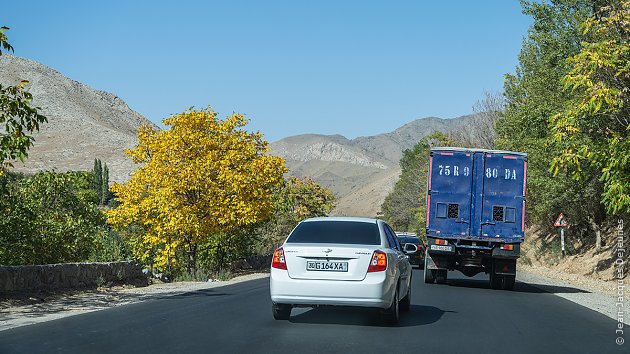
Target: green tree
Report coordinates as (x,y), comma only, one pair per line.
(98,179)
(105,185)
(17,116)
(404,207)
(591,132)
(295,200)
(534,94)
(48,218)
(201,178)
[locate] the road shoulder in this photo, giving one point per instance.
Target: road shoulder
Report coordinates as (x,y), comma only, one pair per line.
(595,295)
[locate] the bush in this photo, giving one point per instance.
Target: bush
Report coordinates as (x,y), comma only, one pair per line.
(48,218)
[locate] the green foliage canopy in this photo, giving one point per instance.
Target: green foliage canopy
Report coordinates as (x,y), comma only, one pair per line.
(534,94)
(48,218)
(17,116)
(592,129)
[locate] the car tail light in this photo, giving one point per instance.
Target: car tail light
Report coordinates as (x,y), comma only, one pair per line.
(507,247)
(378,262)
(441,242)
(278,260)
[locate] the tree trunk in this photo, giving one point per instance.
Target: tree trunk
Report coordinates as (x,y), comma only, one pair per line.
(598,239)
(192,259)
(598,233)
(220,257)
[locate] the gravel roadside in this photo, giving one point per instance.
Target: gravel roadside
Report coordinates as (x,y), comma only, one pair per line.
(593,294)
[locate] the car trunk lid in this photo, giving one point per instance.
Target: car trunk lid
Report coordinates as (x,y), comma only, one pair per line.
(327,261)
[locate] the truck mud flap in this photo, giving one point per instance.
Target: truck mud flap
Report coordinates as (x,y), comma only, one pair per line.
(504,266)
(435,261)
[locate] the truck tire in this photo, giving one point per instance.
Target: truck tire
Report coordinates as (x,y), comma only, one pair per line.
(508,282)
(441,276)
(496,280)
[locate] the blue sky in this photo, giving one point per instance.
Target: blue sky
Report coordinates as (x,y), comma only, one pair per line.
(330,67)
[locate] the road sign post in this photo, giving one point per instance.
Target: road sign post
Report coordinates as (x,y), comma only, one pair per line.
(562,239)
(561,222)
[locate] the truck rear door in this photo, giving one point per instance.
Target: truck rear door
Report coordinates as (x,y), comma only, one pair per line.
(449,193)
(503,205)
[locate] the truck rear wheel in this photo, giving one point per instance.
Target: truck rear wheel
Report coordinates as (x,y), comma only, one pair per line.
(500,281)
(441,276)
(496,280)
(508,282)
(429,277)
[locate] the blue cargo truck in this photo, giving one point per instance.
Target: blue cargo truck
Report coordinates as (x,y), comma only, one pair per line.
(475,214)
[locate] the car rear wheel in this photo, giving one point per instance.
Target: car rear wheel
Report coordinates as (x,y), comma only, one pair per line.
(392,314)
(405,303)
(281,311)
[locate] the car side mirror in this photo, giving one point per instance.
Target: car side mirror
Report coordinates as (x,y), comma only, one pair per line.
(410,248)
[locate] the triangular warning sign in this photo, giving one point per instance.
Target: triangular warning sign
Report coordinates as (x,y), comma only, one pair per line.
(561,221)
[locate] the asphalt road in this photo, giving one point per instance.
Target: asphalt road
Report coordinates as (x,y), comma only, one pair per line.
(464,316)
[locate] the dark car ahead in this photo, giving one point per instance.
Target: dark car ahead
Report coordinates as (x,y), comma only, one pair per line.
(417,257)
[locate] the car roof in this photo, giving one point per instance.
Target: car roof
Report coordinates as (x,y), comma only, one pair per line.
(409,238)
(341,218)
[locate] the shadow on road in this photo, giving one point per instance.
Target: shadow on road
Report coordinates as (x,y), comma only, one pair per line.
(518,287)
(196,293)
(418,315)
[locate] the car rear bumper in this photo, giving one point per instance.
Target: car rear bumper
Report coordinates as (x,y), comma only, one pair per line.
(376,290)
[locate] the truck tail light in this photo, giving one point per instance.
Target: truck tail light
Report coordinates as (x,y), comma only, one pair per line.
(441,242)
(278,260)
(507,247)
(378,263)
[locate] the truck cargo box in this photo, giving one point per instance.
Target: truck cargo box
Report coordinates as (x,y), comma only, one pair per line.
(476,194)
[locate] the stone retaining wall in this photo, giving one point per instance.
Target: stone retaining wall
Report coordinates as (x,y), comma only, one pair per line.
(49,277)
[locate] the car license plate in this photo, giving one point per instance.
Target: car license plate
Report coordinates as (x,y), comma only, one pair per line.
(441,248)
(327,266)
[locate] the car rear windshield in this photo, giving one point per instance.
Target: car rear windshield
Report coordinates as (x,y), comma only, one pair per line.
(344,232)
(409,240)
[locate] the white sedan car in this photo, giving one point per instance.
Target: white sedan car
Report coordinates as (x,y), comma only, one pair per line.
(342,262)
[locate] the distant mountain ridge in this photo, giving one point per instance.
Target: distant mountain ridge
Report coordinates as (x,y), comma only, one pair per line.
(83,123)
(361,171)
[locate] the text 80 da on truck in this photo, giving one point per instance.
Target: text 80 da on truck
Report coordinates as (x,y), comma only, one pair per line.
(475,214)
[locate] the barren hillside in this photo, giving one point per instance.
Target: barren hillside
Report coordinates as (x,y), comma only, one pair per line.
(83,123)
(360,171)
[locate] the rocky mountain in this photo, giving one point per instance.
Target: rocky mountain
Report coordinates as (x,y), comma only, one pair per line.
(83,123)
(362,171)
(391,145)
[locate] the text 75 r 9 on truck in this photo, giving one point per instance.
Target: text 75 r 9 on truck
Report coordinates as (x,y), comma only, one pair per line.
(475,214)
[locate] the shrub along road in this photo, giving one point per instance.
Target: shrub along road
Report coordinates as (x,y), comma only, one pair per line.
(464,316)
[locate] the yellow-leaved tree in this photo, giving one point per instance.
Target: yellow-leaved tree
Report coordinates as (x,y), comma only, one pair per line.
(201,177)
